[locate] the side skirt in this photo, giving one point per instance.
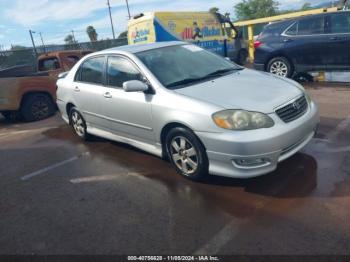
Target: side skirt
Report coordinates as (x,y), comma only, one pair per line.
(152,149)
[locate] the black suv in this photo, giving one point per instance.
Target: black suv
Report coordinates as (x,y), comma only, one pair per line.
(310,43)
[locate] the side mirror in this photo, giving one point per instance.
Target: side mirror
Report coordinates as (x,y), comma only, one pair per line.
(134,86)
(63,75)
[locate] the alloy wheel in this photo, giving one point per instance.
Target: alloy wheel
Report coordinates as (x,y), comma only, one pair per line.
(279,68)
(184,155)
(78,124)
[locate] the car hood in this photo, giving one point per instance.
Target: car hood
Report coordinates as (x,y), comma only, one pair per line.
(245,89)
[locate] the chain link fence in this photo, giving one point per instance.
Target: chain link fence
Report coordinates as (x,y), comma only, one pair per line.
(27,56)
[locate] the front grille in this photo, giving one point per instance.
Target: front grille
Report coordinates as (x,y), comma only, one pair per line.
(293,110)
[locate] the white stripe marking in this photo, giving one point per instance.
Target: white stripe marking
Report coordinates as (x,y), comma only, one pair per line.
(220,239)
(92,179)
(46,169)
(12,133)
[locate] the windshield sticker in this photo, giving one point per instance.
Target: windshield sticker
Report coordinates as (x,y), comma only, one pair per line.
(192,48)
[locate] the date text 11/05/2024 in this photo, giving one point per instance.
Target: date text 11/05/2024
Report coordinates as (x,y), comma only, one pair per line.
(173,258)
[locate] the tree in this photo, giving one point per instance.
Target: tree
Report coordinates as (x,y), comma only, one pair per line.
(123,35)
(91,31)
(252,9)
(214,10)
(306,6)
(69,40)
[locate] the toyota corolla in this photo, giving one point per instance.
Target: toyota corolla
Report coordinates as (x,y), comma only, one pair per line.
(175,100)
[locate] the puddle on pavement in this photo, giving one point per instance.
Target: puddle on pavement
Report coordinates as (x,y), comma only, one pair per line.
(296,177)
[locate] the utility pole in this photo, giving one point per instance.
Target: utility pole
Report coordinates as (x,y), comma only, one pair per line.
(110,17)
(127,6)
(42,41)
(75,41)
(31,37)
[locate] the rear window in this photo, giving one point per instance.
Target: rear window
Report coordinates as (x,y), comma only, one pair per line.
(48,64)
(73,59)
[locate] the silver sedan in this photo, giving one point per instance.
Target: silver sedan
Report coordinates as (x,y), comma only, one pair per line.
(204,113)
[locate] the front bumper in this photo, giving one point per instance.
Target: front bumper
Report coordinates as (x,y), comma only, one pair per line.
(265,148)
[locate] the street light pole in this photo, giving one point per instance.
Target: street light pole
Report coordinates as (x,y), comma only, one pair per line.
(42,41)
(31,37)
(110,17)
(127,6)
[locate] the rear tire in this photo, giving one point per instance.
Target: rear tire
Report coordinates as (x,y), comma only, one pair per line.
(78,123)
(37,107)
(280,66)
(187,154)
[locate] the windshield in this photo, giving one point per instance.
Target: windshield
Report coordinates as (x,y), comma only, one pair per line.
(180,65)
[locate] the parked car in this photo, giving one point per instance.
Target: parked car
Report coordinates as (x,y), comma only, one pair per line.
(31,93)
(311,43)
(201,111)
(211,31)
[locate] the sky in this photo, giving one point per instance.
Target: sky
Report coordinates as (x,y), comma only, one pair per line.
(56,18)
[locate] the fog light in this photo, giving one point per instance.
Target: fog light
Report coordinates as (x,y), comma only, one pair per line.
(252,162)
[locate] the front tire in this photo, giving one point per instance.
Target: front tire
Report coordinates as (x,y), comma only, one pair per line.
(280,66)
(187,154)
(78,123)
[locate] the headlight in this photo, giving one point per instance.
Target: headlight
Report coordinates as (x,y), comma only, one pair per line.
(308,98)
(242,120)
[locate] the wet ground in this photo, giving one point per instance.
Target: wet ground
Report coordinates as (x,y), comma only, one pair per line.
(60,195)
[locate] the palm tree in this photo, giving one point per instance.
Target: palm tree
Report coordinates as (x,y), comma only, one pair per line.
(69,40)
(90,30)
(214,10)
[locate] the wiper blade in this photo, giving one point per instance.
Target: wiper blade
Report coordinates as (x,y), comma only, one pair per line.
(197,79)
(222,71)
(184,81)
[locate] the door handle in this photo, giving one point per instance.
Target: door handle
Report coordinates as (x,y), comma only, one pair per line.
(107,95)
(334,38)
(76,89)
(287,40)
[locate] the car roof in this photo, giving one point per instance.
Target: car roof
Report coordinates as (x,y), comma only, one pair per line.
(286,21)
(141,47)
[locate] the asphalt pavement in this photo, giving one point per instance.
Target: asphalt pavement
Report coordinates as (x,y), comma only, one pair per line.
(60,195)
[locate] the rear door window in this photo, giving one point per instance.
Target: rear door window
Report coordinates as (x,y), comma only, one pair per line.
(311,26)
(91,71)
(121,70)
(340,23)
